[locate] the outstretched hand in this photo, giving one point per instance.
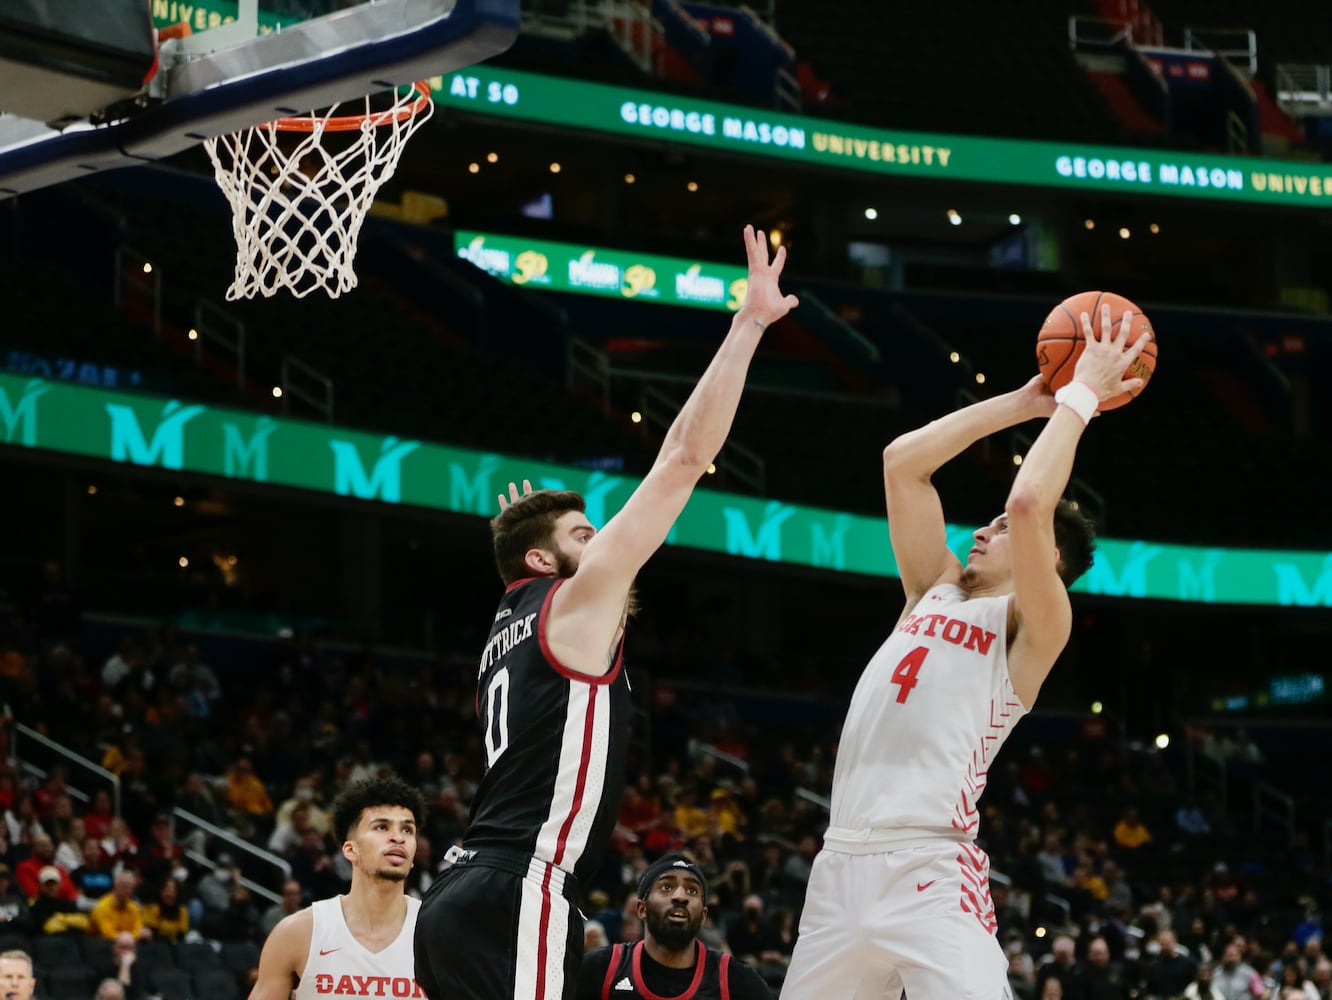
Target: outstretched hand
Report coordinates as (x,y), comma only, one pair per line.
(1105,358)
(514,496)
(764,302)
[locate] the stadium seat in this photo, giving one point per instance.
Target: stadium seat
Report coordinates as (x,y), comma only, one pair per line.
(197,956)
(68,982)
(52,951)
(174,983)
(216,984)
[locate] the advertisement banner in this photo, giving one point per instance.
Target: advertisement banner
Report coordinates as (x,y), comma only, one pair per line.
(191,438)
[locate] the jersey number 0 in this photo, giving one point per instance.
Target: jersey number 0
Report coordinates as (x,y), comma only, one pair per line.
(497,716)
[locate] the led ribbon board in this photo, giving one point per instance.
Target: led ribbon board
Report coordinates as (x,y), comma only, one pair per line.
(618,274)
(148,431)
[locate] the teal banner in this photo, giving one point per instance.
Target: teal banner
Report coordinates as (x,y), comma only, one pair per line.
(617,274)
(192,438)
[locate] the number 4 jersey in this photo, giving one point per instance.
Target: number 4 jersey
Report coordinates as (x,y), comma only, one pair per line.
(555,741)
(927,718)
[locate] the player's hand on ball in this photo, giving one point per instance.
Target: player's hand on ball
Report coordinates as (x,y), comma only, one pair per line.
(1108,354)
(1037,395)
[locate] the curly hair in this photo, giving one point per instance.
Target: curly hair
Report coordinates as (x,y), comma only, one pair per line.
(356,798)
(1075,536)
(529,524)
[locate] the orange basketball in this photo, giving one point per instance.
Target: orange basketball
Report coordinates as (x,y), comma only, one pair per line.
(1060,342)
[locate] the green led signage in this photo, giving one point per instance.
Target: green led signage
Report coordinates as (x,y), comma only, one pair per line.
(617,274)
(757,132)
(197,439)
(735,128)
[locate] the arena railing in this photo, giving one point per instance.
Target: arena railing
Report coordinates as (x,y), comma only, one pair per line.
(1304,88)
(24,733)
(196,844)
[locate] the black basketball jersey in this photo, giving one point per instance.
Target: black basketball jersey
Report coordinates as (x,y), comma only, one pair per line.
(624,975)
(555,741)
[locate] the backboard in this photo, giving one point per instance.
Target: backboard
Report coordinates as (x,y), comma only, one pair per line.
(236,63)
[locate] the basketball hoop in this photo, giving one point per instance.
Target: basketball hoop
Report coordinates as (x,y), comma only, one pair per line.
(300,189)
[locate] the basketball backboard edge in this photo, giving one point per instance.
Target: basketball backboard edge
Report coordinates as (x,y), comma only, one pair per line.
(363,50)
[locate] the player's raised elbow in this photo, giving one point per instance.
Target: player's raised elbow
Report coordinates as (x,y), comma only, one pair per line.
(1027,504)
(686,459)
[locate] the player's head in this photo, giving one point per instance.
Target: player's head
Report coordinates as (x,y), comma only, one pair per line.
(990,561)
(671,901)
(541,534)
(16,979)
(377,819)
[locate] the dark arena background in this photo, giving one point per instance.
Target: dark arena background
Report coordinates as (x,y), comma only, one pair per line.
(246,556)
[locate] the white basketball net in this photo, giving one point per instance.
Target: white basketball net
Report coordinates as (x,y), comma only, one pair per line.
(297,212)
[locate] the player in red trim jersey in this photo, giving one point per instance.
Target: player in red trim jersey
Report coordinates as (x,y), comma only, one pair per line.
(670,963)
(899,896)
(553,698)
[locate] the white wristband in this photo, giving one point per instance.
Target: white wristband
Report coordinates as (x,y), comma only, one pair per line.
(1081,398)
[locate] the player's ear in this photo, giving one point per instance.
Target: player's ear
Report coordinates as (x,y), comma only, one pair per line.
(349,851)
(640,907)
(540,561)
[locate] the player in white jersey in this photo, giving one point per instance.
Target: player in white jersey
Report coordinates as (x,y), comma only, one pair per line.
(360,944)
(899,896)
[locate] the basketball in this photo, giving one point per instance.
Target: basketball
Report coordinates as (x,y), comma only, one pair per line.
(1060,342)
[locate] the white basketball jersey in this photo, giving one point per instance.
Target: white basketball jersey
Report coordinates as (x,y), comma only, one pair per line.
(927,718)
(339,965)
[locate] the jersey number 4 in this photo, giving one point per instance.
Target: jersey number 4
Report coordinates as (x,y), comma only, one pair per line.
(904,674)
(497,716)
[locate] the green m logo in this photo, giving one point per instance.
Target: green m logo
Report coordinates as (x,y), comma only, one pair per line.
(247,459)
(167,447)
(766,543)
(1132,578)
(1293,590)
(20,418)
(383,482)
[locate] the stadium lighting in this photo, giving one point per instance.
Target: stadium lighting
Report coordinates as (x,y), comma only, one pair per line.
(1088,224)
(1017,459)
(712,468)
(980,378)
(1014,219)
(147,267)
(178,502)
(555,168)
(630,178)
(775,238)
(692,186)
(193,334)
(492,157)
(1124,232)
(871,214)
(277,392)
(636,417)
(1040,932)
(1154,228)
(1097,708)
(182,562)
(1162,741)
(954,217)
(473,168)
(92,490)
(954,357)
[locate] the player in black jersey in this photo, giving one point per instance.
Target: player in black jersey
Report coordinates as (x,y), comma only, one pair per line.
(670,962)
(553,699)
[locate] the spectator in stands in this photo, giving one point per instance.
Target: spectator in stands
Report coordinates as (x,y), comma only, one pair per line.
(166,916)
(423,875)
(163,855)
(1021,975)
(725,815)
(305,793)
(1236,979)
(286,838)
(798,866)
(51,912)
(124,968)
(16,978)
(39,866)
(213,892)
(197,798)
(1050,861)
(120,847)
(1190,818)
(62,818)
(246,793)
(313,867)
(1102,978)
(69,851)
(123,662)
(1313,950)
(1202,987)
(15,917)
(751,936)
(1130,832)
(239,921)
(1293,977)
(1118,894)
(22,827)
(196,681)
(1060,964)
(292,901)
(99,815)
(94,877)
(118,911)
(54,787)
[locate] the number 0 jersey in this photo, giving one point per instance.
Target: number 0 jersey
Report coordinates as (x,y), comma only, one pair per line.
(927,718)
(555,741)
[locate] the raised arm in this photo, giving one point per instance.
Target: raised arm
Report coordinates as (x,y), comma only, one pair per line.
(1043,612)
(587,611)
(915,515)
(283,959)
